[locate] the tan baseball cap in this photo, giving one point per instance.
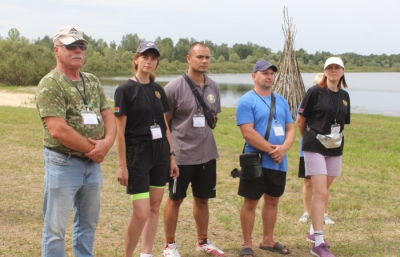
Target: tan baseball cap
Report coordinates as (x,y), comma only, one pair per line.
(68,35)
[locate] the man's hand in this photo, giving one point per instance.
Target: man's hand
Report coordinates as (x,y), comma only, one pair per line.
(277,153)
(173,168)
(99,151)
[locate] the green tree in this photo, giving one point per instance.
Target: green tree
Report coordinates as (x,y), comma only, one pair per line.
(131,42)
(234,58)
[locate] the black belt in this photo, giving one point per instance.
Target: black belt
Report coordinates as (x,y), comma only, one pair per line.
(69,155)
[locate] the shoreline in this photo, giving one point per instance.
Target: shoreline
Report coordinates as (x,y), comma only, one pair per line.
(17,99)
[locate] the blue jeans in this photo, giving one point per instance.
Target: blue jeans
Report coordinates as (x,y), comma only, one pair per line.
(70,182)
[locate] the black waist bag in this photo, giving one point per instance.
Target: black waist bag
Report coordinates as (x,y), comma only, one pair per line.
(251,166)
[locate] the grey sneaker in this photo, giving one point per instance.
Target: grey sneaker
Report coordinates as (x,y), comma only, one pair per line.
(328,220)
(305,218)
(321,251)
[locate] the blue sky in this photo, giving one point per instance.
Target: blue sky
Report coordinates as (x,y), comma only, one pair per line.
(340,26)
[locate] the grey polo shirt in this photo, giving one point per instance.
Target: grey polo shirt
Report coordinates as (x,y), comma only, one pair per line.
(192,145)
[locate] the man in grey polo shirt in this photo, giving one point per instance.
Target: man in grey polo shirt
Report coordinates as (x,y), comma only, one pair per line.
(195,148)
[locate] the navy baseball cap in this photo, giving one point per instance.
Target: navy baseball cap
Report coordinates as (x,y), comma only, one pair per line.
(147,45)
(263,65)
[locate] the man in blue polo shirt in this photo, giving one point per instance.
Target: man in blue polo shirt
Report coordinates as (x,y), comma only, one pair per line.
(252,116)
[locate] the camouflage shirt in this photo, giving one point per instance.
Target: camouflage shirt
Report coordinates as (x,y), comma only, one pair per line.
(57,96)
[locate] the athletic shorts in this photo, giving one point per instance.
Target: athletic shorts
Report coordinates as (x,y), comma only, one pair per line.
(148,165)
(272,183)
(302,169)
(203,178)
(317,164)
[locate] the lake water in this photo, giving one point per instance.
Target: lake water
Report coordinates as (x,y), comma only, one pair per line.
(370,93)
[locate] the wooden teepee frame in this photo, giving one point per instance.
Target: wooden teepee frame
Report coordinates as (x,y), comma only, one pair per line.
(289,82)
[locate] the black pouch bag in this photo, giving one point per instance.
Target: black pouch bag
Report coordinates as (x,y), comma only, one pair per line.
(250,164)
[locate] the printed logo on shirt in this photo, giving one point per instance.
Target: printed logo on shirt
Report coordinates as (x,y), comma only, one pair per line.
(345,102)
(158,95)
(211,98)
(116,109)
(301,110)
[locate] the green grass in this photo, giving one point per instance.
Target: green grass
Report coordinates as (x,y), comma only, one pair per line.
(364,201)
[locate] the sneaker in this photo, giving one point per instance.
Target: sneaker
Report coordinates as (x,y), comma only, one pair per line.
(171,250)
(305,218)
(328,220)
(321,251)
(311,239)
(210,249)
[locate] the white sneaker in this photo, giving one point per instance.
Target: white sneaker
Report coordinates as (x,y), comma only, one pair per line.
(210,249)
(171,250)
(328,220)
(305,218)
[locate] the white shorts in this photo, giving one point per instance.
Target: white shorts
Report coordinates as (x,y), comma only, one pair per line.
(317,164)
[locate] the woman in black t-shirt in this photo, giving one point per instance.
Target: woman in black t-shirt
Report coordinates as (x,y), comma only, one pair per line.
(325,110)
(144,148)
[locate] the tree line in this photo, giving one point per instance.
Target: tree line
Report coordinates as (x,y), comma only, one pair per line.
(25,62)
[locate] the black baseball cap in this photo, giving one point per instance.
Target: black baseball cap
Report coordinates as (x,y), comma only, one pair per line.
(263,65)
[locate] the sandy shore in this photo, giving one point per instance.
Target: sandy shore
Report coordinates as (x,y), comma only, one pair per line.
(17,99)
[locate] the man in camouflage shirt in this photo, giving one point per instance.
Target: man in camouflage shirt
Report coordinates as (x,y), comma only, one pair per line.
(79,130)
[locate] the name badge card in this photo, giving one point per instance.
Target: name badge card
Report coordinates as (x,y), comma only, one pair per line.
(278,130)
(89,118)
(199,121)
(155,132)
(335,129)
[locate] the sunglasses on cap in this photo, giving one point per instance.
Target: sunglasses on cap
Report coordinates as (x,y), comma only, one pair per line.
(73,46)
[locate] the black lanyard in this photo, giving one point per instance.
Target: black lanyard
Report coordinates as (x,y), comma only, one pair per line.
(84,90)
(335,111)
(153,110)
(267,105)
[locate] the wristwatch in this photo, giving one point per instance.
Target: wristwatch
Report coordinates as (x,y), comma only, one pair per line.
(172,153)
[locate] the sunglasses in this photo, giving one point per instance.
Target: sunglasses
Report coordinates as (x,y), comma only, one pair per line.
(73,46)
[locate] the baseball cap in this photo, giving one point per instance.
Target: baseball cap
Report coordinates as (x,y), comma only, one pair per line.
(334,60)
(263,65)
(68,35)
(146,46)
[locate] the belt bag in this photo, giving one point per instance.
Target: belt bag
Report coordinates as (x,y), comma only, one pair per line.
(330,140)
(250,164)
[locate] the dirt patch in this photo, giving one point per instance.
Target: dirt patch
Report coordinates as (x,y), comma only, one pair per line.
(17,100)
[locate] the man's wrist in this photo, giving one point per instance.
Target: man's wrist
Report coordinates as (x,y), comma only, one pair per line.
(172,153)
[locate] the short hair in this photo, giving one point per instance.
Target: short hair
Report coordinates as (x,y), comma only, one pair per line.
(195,44)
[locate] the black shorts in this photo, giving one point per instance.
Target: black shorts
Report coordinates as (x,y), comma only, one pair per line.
(302,169)
(202,176)
(148,165)
(272,183)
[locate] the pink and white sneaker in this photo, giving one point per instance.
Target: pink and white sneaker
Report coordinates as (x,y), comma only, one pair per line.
(210,249)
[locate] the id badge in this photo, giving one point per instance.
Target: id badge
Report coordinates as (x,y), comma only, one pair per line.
(335,129)
(89,118)
(155,132)
(199,121)
(278,130)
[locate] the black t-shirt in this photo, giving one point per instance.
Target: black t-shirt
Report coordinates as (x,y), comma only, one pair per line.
(131,100)
(320,108)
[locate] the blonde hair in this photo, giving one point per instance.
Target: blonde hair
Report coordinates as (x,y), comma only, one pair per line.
(135,66)
(317,78)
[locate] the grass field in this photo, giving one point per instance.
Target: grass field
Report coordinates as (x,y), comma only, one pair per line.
(364,201)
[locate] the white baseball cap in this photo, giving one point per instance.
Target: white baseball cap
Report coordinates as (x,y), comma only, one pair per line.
(334,60)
